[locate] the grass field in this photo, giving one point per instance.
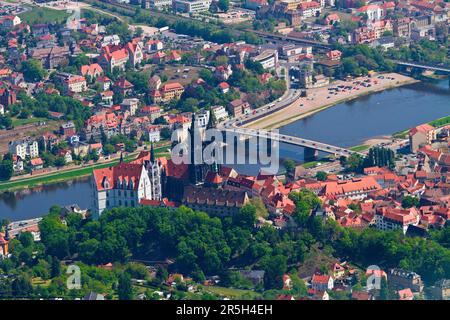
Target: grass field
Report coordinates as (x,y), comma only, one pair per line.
(360,148)
(20,122)
(43,15)
(232,293)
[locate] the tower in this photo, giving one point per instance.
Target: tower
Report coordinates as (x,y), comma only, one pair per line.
(215,167)
(154,173)
(197,168)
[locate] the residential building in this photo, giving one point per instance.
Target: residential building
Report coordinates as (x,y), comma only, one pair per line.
(93,70)
(168,92)
(75,84)
(421,135)
(131,105)
(321,282)
(310,9)
(110,60)
(112,40)
(441,289)
(24,148)
(135,52)
(388,219)
(220,113)
(401,279)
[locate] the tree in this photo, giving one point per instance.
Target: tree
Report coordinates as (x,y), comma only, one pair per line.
(274,267)
(246,217)
(224,5)
(289,164)
(60,161)
(55,267)
(33,71)
(21,286)
(6,169)
(125,289)
(321,176)
(410,201)
(384,290)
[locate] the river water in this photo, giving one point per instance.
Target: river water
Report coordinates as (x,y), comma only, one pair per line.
(346,124)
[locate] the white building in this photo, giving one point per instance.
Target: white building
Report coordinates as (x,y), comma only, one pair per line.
(154,134)
(160,4)
(110,40)
(202,118)
(126,184)
(23,148)
(220,113)
(192,6)
(388,219)
(75,83)
(268,59)
(130,105)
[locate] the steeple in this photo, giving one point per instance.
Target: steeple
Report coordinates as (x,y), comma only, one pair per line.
(152,154)
(211,120)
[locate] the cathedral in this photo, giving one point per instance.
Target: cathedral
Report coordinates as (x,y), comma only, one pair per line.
(197,143)
(154,179)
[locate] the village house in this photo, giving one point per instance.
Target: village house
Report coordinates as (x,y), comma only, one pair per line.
(420,136)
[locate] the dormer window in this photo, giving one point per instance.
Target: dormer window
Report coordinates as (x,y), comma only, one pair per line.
(105,183)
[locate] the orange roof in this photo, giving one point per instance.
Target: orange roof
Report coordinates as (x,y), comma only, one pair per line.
(107,178)
(91,69)
(424,128)
(363,184)
(36,162)
(172,86)
(319,278)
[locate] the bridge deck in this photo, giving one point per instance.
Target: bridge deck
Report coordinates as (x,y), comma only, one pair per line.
(327,148)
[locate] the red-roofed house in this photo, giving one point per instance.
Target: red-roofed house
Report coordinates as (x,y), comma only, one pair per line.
(420,136)
(93,70)
(224,87)
(113,59)
(388,218)
(405,294)
(321,282)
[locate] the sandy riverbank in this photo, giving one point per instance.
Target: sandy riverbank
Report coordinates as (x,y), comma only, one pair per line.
(319,99)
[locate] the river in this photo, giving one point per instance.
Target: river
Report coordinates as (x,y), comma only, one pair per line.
(346,124)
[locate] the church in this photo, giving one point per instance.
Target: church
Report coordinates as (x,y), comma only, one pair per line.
(150,180)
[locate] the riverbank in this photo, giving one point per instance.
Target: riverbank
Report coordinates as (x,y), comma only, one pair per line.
(319,99)
(67,174)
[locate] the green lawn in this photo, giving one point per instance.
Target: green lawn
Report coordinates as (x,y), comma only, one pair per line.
(360,148)
(232,293)
(20,122)
(71,174)
(43,15)
(310,164)
(440,122)
(56,176)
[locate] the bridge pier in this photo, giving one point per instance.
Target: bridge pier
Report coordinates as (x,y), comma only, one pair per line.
(310,154)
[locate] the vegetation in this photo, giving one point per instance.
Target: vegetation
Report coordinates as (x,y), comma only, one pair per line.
(43,15)
(377,156)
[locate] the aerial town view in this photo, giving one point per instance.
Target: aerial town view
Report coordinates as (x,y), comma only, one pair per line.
(255,150)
